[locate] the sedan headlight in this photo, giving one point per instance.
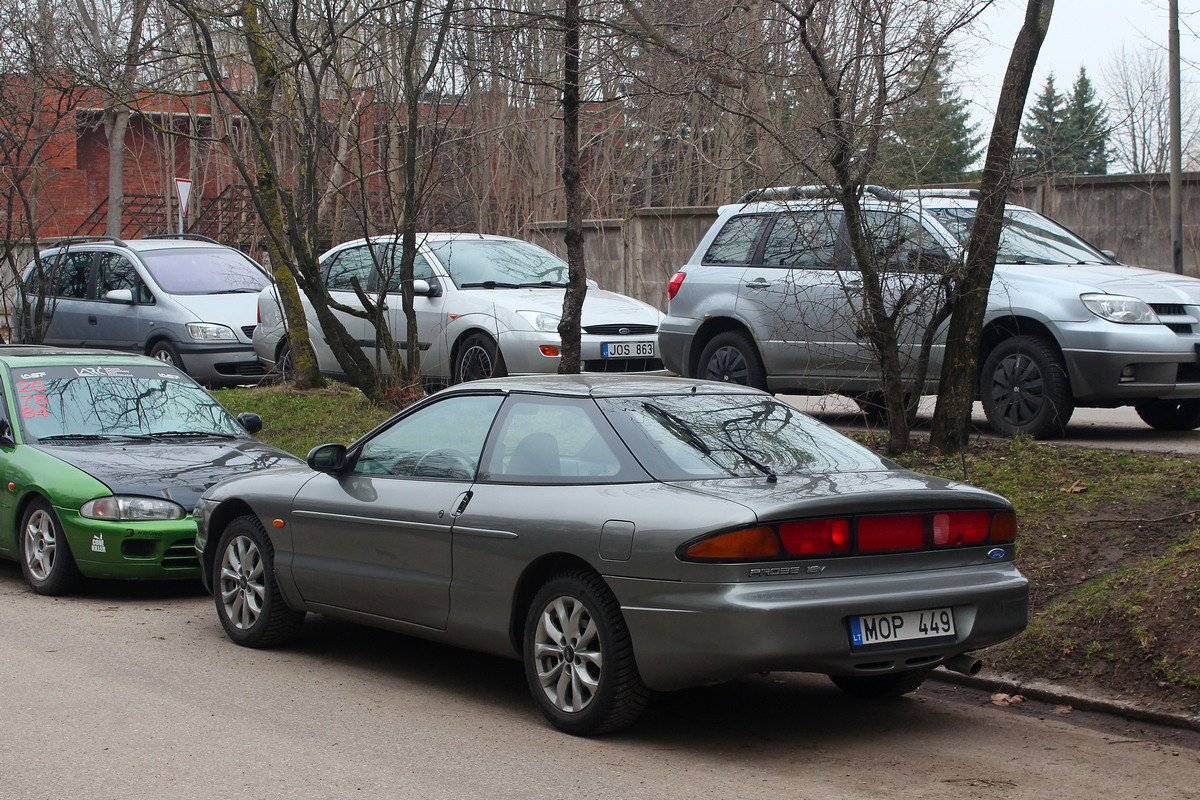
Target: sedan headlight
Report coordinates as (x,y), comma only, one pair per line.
(1117,308)
(129,508)
(209,332)
(540,320)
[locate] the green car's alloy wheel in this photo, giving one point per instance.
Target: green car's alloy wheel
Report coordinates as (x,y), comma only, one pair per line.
(579,658)
(249,603)
(46,559)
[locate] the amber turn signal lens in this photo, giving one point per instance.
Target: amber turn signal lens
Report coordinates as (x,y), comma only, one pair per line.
(278,523)
(1004,527)
(747,543)
(549,350)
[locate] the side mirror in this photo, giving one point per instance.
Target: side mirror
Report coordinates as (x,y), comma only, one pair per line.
(1110,253)
(119,296)
(6,434)
(426,288)
(250,421)
(329,458)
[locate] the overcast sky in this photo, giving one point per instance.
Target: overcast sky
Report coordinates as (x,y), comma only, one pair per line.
(1087,33)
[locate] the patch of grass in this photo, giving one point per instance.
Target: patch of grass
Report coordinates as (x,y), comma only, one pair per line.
(298,421)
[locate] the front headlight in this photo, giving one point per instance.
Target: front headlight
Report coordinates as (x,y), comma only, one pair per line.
(540,320)
(127,508)
(1118,308)
(208,332)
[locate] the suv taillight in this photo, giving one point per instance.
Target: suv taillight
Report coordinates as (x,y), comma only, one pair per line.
(676,282)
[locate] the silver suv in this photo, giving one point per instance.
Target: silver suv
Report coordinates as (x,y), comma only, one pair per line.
(771,296)
(188,301)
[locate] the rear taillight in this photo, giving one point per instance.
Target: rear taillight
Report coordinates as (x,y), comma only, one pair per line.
(673,286)
(259,310)
(849,536)
(903,532)
(815,536)
(956,528)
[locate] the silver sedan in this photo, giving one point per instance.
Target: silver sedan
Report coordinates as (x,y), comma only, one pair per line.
(621,535)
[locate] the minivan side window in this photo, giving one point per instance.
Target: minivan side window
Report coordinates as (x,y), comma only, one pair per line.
(900,242)
(352,263)
(803,239)
(736,241)
(73,273)
(118,272)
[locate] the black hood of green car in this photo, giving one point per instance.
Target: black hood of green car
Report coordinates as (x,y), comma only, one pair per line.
(177,470)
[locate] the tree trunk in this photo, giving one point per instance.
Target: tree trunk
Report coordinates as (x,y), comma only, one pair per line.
(959,378)
(116,122)
(569,325)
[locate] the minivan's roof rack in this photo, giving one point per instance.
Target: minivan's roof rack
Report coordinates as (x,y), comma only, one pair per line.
(77,239)
(802,192)
(193,236)
(972,194)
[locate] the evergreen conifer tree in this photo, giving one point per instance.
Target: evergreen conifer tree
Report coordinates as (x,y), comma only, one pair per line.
(934,139)
(1046,150)
(1066,134)
(1085,127)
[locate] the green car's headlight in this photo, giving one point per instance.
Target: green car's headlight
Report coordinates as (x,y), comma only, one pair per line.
(131,509)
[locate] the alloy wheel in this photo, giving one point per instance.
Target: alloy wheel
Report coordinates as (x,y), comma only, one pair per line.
(242,583)
(40,545)
(567,654)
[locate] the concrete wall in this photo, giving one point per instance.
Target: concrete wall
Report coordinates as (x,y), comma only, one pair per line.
(1128,214)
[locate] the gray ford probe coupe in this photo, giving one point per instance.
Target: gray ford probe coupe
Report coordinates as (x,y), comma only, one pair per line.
(621,535)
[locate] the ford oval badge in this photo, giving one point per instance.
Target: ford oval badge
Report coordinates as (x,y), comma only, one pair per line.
(996,552)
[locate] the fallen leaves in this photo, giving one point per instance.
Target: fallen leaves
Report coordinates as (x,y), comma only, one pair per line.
(1075,488)
(1002,699)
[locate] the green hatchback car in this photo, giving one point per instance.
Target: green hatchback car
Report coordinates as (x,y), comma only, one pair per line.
(102,459)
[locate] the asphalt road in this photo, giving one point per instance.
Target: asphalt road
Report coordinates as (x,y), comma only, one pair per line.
(1109,428)
(132,691)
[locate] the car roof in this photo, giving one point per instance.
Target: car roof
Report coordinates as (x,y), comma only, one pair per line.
(905,199)
(603,385)
(138,245)
(31,354)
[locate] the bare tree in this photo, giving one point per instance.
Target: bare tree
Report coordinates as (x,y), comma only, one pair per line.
(1138,103)
(959,378)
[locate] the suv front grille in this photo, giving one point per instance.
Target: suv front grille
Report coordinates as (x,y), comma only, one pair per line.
(1176,316)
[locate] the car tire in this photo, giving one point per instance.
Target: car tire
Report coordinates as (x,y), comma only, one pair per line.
(875,687)
(249,603)
(1025,390)
(1169,415)
(46,560)
(283,361)
(167,353)
(579,658)
(478,358)
(732,357)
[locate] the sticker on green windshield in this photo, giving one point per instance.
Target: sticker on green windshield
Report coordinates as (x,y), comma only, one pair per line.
(33,399)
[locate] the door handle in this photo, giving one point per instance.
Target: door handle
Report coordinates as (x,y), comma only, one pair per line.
(463,499)
(759,283)
(92,321)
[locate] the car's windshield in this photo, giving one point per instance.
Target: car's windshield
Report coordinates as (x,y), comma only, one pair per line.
(682,437)
(1027,238)
(499,263)
(107,401)
(204,270)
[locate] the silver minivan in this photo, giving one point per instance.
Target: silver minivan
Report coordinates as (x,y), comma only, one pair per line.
(188,301)
(772,298)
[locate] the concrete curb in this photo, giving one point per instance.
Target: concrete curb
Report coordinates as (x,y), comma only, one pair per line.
(1059,695)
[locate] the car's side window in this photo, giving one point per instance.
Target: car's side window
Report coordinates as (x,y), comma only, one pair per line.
(803,239)
(389,266)
(553,440)
(736,241)
(443,440)
(900,242)
(73,272)
(354,262)
(118,272)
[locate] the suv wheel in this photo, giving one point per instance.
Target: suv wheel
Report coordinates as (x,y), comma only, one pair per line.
(1169,415)
(1025,390)
(732,357)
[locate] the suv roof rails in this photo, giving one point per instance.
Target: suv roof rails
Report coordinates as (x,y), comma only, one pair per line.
(75,239)
(802,192)
(192,236)
(972,194)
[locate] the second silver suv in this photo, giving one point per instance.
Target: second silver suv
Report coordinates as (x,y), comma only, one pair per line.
(771,297)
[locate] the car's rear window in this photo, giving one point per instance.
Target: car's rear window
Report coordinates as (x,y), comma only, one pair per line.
(686,437)
(99,401)
(204,270)
(735,242)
